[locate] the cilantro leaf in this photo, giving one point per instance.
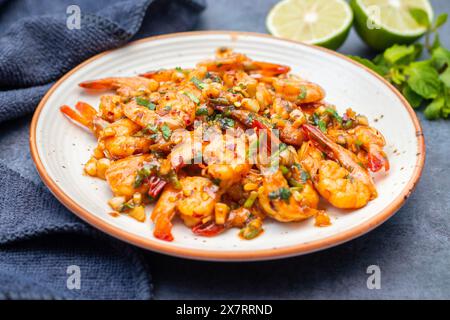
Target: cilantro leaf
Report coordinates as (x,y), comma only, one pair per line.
(413,98)
(433,111)
(424,79)
(440,58)
(369,64)
(445,78)
(440,21)
(401,53)
(420,16)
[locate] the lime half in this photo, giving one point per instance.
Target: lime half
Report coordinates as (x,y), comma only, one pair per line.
(321,22)
(383,23)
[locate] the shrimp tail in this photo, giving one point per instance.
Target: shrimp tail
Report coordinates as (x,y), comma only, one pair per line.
(320,140)
(341,155)
(100,84)
(268,69)
(163,226)
(84,113)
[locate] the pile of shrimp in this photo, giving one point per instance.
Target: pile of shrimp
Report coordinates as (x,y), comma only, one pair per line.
(173,138)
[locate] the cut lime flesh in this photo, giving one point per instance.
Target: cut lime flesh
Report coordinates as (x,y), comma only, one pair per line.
(383,23)
(320,22)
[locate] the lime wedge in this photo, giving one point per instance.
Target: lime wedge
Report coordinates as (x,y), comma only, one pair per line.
(383,23)
(321,22)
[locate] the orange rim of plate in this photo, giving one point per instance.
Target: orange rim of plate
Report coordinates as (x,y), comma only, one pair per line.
(253,255)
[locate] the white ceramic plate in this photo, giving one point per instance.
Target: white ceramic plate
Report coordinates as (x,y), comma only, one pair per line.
(60,148)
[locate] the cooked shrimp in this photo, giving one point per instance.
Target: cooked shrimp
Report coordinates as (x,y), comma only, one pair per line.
(165,75)
(117,140)
(298,91)
(177,112)
(366,142)
(229,60)
(276,199)
(288,133)
(199,197)
(111,108)
(373,142)
(179,137)
(164,211)
(343,182)
(222,163)
(121,175)
(84,114)
(124,86)
(195,203)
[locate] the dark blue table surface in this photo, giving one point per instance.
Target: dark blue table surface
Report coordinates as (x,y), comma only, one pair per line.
(412,249)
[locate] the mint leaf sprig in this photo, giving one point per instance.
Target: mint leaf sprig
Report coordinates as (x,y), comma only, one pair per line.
(425,82)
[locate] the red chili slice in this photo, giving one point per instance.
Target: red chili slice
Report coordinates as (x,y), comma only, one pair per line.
(208,229)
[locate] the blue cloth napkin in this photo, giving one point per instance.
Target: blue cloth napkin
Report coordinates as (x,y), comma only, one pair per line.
(42,245)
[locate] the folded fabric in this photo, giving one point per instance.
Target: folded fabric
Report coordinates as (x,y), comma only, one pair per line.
(42,245)
(35,50)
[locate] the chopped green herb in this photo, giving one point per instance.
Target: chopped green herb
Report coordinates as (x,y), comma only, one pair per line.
(167,108)
(284,170)
(213,77)
(141,175)
(216,181)
(199,84)
(126,206)
(304,176)
(358,143)
(225,123)
(145,103)
(322,126)
(220,102)
(294,183)
(251,200)
(348,124)
(179,69)
(334,114)
(282,193)
(173,178)
(192,97)
(151,128)
(303,93)
(201,111)
(250,118)
(166,132)
(285,193)
(250,231)
(154,136)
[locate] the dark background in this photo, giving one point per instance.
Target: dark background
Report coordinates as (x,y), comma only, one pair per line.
(412,248)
